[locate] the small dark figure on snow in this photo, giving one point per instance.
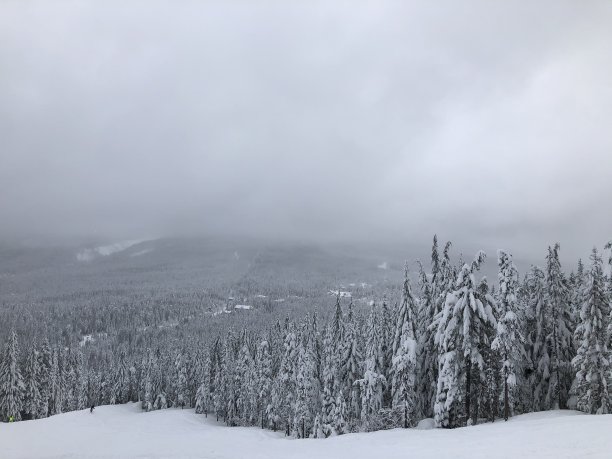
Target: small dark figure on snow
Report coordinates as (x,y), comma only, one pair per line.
(92,408)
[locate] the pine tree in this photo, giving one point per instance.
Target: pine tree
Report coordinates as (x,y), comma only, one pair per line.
(592,361)
(337,328)
(328,401)
(215,380)
(304,390)
(12,387)
(70,381)
(405,356)
(339,424)
(82,382)
(350,362)
(201,399)
(508,337)
(317,429)
(230,391)
(560,331)
(539,333)
(387,335)
(120,380)
(147,383)
(264,378)
(428,357)
(32,397)
(459,338)
(406,312)
(286,376)
(44,365)
(243,379)
(373,380)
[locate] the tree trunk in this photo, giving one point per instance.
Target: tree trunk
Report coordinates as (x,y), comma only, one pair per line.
(468,390)
(506,401)
(476,405)
(405,412)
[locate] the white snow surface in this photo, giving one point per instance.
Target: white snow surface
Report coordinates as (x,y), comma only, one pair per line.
(124,431)
(86,339)
(341,293)
(141,252)
(106,250)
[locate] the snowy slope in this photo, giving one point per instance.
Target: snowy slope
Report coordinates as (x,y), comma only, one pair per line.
(106,250)
(125,431)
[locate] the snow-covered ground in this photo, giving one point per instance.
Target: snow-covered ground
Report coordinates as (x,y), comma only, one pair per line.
(106,250)
(124,431)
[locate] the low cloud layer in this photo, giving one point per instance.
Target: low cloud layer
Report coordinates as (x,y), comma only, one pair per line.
(486,122)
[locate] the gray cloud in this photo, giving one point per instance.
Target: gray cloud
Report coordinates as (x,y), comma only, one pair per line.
(486,122)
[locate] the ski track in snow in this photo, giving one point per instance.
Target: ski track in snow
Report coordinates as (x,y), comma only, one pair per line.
(124,431)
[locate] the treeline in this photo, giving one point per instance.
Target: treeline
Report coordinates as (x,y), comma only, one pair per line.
(460,351)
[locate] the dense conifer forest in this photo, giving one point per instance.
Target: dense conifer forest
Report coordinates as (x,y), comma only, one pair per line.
(446,344)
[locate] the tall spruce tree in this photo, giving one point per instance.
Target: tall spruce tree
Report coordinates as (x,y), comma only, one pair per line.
(560,337)
(32,396)
(459,338)
(508,337)
(592,361)
(539,333)
(12,387)
(350,361)
(373,381)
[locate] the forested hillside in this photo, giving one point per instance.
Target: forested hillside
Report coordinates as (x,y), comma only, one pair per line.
(376,353)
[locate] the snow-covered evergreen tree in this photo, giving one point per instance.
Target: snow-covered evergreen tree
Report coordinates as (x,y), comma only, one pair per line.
(12,387)
(560,337)
(317,428)
(287,378)
(387,335)
(404,364)
(147,383)
(44,369)
(32,398)
(427,357)
(373,381)
(508,337)
(459,338)
(262,381)
(120,380)
(180,368)
(337,326)
(538,337)
(328,402)
(339,423)
(350,361)
(592,361)
(304,379)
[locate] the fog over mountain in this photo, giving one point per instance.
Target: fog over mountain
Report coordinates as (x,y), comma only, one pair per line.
(377,122)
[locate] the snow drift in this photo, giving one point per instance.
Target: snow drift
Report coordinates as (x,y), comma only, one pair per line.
(124,431)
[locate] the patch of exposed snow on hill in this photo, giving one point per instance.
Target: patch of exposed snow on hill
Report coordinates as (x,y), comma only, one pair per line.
(342,294)
(86,339)
(106,250)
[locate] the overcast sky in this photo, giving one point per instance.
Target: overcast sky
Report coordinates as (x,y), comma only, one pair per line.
(486,122)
